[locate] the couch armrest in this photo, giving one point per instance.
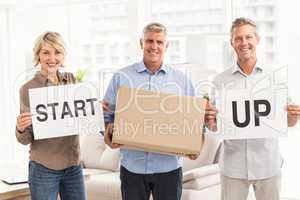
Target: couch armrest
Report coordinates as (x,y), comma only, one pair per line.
(200,172)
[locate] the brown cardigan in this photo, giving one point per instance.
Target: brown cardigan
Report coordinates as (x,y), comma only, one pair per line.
(54,153)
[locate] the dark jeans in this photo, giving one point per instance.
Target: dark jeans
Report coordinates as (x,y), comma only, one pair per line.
(46,184)
(163,186)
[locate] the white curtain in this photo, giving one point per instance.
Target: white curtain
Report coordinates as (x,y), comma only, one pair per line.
(11,152)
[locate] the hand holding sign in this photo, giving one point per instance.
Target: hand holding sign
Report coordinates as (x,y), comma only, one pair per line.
(293,109)
(23,121)
(293,114)
(210,116)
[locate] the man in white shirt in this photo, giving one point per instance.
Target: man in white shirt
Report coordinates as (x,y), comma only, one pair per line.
(248,162)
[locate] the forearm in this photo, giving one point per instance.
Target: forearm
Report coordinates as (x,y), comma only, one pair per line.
(25,137)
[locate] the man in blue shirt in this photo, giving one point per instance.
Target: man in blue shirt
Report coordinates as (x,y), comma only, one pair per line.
(143,173)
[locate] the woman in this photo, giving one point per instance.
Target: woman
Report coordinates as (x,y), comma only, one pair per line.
(54,163)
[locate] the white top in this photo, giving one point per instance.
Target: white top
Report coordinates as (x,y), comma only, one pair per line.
(250,159)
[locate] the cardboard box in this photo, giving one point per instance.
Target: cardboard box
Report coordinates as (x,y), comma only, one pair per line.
(159,122)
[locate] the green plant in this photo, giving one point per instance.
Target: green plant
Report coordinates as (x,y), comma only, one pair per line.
(206,96)
(80,74)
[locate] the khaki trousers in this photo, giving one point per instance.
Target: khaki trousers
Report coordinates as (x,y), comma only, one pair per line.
(238,189)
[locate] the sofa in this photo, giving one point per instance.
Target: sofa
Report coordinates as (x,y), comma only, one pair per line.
(201,179)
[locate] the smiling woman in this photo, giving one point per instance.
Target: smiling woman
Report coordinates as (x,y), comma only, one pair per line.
(56,160)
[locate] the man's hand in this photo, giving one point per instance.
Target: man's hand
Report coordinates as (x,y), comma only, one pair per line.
(105,106)
(108,137)
(211,116)
(293,114)
(193,156)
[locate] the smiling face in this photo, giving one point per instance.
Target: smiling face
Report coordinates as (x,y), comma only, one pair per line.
(50,58)
(154,46)
(244,41)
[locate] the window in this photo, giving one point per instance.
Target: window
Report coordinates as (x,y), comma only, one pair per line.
(104,35)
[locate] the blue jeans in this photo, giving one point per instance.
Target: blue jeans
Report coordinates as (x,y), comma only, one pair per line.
(46,184)
(163,186)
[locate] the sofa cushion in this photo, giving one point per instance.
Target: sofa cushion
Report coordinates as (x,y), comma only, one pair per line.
(208,193)
(104,187)
(203,182)
(88,172)
(110,159)
(200,172)
(95,154)
(207,155)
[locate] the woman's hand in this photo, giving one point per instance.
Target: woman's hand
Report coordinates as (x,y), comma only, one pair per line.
(23,121)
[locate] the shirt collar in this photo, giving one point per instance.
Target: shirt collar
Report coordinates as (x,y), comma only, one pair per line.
(257,68)
(142,68)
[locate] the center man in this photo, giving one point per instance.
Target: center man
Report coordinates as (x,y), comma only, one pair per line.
(143,173)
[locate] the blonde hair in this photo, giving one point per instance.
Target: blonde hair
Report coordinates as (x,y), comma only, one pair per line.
(52,38)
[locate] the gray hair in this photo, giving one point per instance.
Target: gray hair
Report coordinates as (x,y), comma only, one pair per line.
(241,21)
(52,38)
(155,27)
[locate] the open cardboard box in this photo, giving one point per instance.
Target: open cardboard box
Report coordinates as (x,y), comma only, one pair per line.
(159,122)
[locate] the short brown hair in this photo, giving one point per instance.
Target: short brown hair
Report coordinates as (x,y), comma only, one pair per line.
(52,38)
(241,21)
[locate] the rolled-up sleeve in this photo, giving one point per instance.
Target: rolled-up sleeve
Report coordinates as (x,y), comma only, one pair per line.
(110,97)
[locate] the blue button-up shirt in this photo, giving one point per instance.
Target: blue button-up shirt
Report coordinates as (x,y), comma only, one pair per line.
(167,80)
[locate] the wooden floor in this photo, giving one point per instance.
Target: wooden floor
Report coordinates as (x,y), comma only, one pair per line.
(14,192)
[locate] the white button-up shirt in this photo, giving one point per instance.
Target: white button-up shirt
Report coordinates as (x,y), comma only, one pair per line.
(250,159)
